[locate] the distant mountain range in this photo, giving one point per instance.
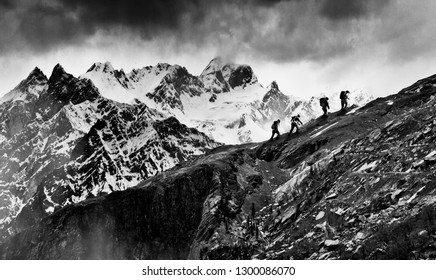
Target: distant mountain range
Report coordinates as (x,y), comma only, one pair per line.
(226,101)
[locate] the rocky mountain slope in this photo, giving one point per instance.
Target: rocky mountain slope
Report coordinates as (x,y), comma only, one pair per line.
(358,185)
(61,142)
(225,101)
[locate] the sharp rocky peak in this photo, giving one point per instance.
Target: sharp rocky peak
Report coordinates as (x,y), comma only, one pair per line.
(37,73)
(58,68)
(274,86)
(274,93)
(35,77)
(101,67)
(57,73)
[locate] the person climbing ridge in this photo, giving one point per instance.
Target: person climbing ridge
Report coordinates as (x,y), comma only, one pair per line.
(324,103)
(275,129)
(344,96)
(295,121)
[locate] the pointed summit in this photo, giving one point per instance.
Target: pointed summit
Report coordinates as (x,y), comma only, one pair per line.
(274,93)
(101,67)
(37,73)
(32,86)
(274,86)
(213,76)
(220,76)
(35,77)
(57,73)
(58,68)
(214,65)
(105,75)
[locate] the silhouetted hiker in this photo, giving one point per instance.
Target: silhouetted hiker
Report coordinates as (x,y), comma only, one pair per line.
(324,103)
(344,96)
(295,122)
(275,129)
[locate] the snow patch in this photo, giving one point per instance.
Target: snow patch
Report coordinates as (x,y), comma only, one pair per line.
(368,166)
(323,130)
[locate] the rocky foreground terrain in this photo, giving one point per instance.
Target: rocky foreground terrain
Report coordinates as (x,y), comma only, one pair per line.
(359,185)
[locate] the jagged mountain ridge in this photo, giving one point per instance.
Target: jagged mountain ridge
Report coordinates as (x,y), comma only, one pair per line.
(62,142)
(225,101)
(353,186)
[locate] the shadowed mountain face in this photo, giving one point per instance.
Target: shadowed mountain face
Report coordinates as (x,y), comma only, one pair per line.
(352,186)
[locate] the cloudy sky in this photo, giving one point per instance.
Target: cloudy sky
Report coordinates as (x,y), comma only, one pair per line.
(307,46)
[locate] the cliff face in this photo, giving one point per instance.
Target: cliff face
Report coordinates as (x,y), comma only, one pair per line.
(160,219)
(141,223)
(353,186)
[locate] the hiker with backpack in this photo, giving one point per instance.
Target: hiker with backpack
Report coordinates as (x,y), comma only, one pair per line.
(344,96)
(275,129)
(295,122)
(324,103)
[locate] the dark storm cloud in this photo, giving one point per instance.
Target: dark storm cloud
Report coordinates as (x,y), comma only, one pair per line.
(349,9)
(44,24)
(277,30)
(6,4)
(267,2)
(139,13)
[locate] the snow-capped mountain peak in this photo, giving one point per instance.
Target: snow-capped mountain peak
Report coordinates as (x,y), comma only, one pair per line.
(214,65)
(220,77)
(273,86)
(101,67)
(214,102)
(33,85)
(36,74)
(107,73)
(213,77)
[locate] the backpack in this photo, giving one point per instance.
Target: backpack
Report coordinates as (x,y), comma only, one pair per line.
(322,101)
(342,95)
(274,125)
